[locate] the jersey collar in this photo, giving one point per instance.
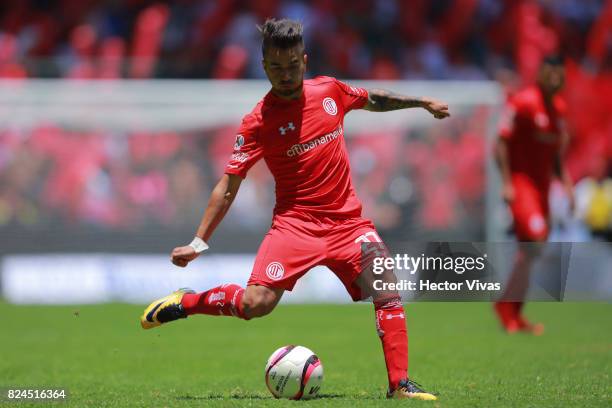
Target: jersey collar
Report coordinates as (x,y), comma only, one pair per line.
(278,100)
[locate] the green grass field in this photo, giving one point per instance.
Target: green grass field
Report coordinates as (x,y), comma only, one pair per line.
(100,354)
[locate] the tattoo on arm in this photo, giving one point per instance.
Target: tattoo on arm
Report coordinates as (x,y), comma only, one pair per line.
(380,100)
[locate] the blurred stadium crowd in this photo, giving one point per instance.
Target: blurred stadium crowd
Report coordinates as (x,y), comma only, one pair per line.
(410,180)
(373,39)
(415,181)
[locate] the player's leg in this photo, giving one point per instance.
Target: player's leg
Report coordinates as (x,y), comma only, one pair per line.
(509,307)
(225,300)
(286,253)
(531,227)
(354,270)
(233,300)
(518,286)
(260,300)
(264,290)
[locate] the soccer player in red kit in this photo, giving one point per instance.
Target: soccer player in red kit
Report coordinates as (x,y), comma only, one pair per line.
(529,154)
(297,128)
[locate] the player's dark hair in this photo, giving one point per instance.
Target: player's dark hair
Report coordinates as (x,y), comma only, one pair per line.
(284,33)
(553,59)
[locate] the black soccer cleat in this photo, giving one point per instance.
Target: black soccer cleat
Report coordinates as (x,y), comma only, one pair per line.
(164,310)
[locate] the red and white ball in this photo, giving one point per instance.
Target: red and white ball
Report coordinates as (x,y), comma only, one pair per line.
(294,372)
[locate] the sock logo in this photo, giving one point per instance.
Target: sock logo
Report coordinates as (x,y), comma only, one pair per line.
(275,271)
(216,296)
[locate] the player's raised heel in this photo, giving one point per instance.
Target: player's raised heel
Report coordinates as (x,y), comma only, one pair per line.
(525,326)
(408,389)
(164,310)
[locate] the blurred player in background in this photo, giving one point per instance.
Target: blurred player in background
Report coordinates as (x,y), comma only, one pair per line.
(297,128)
(529,153)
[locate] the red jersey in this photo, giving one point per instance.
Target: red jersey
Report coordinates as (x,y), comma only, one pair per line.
(302,143)
(533,134)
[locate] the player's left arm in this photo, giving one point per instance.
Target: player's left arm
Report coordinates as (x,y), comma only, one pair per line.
(559,167)
(380,100)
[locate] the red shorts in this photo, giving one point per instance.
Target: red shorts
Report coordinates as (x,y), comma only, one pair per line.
(529,209)
(298,242)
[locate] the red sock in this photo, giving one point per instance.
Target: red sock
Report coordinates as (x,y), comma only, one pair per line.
(507,312)
(518,307)
(391,328)
(224,300)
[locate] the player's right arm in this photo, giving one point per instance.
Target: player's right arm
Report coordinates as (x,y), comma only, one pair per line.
(503,163)
(219,203)
(247,151)
(502,157)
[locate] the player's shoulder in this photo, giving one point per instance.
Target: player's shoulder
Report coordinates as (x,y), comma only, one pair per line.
(320,80)
(253,119)
(527,100)
(529,96)
(323,84)
(331,84)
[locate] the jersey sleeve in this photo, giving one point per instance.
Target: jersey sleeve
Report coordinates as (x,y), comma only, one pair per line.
(352,97)
(247,150)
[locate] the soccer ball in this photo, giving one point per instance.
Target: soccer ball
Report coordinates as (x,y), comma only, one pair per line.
(294,372)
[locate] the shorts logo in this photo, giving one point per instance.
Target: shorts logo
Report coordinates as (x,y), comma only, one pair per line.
(330,106)
(239,142)
(275,271)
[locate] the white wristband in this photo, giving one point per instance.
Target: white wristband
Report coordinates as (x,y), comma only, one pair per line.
(198,245)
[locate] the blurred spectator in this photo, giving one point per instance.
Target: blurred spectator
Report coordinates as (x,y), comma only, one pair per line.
(594,199)
(381,39)
(411,181)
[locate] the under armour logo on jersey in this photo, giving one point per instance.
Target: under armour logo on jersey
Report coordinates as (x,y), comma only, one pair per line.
(284,130)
